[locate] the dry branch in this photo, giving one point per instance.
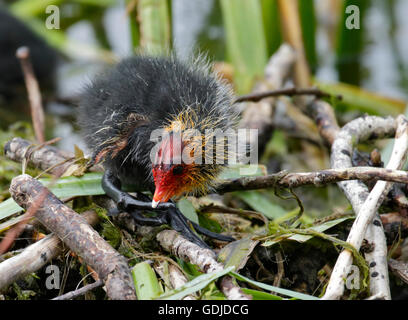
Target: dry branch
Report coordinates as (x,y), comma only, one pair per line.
(215,208)
(318,178)
(34,94)
(43,157)
(76,233)
(80,291)
(204,259)
(356,192)
(323,115)
(35,256)
(176,278)
(356,131)
(257,96)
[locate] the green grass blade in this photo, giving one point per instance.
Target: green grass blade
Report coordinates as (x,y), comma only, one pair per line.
(88,184)
(194,285)
(154,28)
(286,292)
(8,208)
(237,171)
(31,8)
(260,203)
(350,43)
(133,26)
(187,208)
(146,284)
(237,253)
(303,238)
(355,98)
(271,23)
(245,38)
(261,295)
(59,41)
(308,22)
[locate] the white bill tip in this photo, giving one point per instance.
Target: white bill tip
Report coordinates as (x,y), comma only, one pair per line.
(155,203)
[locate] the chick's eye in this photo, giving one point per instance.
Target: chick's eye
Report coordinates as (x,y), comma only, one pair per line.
(177,170)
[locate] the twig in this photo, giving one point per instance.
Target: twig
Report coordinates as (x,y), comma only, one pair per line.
(205,260)
(34,95)
(48,156)
(79,292)
(317,178)
(81,238)
(255,97)
(36,256)
(355,191)
(377,296)
(269,275)
(213,207)
(323,115)
(174,277)
(178,279)
(33,258)
(281,270)
(366,205)
(43,156)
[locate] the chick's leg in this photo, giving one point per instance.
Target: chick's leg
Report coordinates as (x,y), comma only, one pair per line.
(181,223)
(125,202)
(167,213)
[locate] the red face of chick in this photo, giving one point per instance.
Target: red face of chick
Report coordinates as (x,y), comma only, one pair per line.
(171,176)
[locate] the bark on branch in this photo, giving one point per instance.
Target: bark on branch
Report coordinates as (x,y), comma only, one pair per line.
(255,97)
(80,291)
(34,94)
(317,178)
(45,157)
(356,131)
(78,235)
(205,259)
(323,115)
(35,256)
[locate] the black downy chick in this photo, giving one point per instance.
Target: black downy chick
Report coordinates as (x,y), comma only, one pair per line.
(14,34)
(121,109)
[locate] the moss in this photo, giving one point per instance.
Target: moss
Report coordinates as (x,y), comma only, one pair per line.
(112,234)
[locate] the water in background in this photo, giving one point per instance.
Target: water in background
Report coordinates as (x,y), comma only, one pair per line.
(197,26)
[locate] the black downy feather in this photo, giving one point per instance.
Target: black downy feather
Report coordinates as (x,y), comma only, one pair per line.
(120,108)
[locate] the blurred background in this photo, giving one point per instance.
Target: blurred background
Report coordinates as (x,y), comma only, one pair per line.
(367,66)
